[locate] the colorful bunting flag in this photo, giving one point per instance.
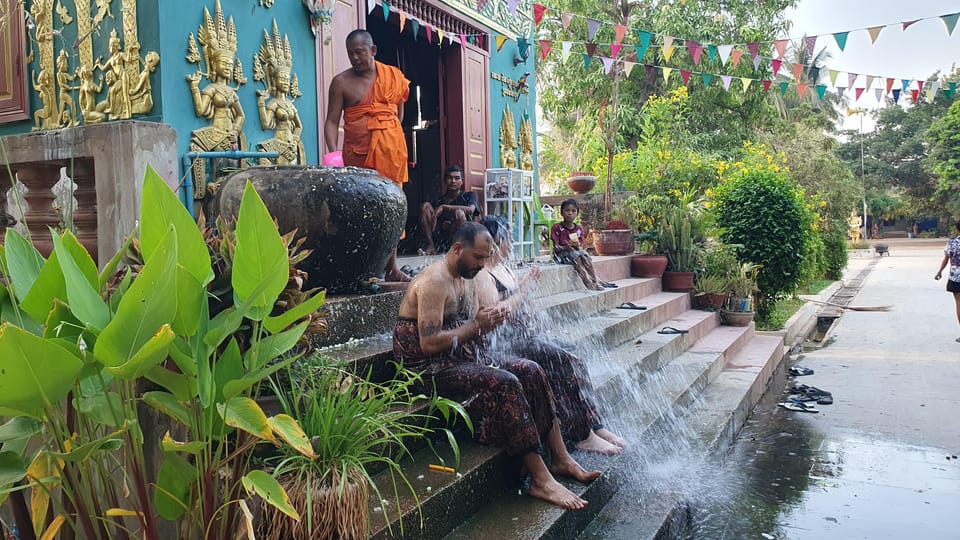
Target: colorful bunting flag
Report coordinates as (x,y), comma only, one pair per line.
(607,64)
(619,31)
(754,49)
(685,75)
(783,88)
(591,49)
(810,42)
(840,90)
(565,19)
(756,62)
(522,46)
(797,71)
(821,90)
(920,85)
(951,22)
(841,38)
(857,92)
(878,92)
(766,85)
(775,64)
(870,79)
(667,47)
(614,50)
(904,84)
(463,40)
(592,26)
(628,67)
(512,6)
(896,95)
(735,57)
(851,78)
(745,81)
(544,48)
(874,32)
(481,4)
(801,88)
(415,27)
(440,34)
(707,78)
(538,11)
(781,46)
(666,74)
(695,51)
(403,20)
(712,50)
(565,50)
(386,10)
(906,24)
(499,40)
(914,95)
(429,34)
(644,43)
(586,61)
(814,73)
(833,77)
(932,90)
(371,5)
(726,81)
(950,91)
(889,85)
(724,51)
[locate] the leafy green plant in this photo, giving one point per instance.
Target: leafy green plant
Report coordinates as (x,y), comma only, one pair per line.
(743,283)
(355,427)
(78,348)
(711,284)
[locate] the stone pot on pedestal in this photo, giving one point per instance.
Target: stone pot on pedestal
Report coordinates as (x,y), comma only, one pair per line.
(352,218)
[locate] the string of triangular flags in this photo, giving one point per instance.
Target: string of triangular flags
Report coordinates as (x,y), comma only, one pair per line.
(620,31)
(416,25)
(912,87)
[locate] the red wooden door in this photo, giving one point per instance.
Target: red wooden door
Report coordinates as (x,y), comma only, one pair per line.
(467,107)
(13,80)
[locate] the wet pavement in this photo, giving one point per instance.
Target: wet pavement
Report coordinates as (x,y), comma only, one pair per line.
(880,461)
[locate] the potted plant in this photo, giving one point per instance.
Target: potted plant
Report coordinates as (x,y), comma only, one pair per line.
(679,241)
(616,238)
(356,428)
(645,212)
(581,182)
(719,265)
(710,291)
(743,284)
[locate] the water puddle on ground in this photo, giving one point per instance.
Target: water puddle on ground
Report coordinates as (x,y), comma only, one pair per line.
(784,479)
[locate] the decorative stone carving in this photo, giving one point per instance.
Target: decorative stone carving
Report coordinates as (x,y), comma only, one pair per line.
(273,65)
(508,140)
(67,108)
(526,144)
(218,102)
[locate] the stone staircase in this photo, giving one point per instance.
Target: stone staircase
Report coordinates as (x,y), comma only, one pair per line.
(696,388)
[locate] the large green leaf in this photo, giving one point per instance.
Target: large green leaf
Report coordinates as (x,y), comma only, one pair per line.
(20,427)
(265,349)
(191,294)
(104,408)
(270,490)
(159,210)
(12,469)
(184,388)
(260,257)
(82,296)
(172,497)
(149,304)
(86,264)
(49,284)
(290,431)
(167,403)
(83,452)
(115,261)
(241,385)
(152,354)
(229,367)
(23,261)
(244,413)
(285,319)
(36,372)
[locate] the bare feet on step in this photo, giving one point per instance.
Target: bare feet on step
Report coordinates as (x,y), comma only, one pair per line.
(611,438)
(554,492)
(598,445)
(571,469)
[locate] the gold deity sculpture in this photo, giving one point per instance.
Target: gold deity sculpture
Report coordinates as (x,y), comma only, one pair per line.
(508,140)
(526,144)
(855,222)
(273,66)
(46,116)
(218,101)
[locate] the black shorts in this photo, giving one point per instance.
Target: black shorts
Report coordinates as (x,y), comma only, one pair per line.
(953,286)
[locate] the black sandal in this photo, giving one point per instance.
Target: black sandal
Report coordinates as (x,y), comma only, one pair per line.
(671,330)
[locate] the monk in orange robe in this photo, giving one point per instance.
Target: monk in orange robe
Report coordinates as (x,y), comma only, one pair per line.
(370,97)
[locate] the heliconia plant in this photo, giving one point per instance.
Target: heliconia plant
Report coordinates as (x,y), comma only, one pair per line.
(86,355)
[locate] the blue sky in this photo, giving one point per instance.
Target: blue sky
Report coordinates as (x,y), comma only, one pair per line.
(914,53)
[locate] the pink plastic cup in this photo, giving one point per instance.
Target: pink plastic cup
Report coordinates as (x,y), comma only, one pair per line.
(333,159)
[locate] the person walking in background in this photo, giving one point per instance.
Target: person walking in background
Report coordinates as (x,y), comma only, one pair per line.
(370,97)
(951,255)
(453,208)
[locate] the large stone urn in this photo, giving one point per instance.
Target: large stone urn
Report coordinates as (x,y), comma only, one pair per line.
(352,217)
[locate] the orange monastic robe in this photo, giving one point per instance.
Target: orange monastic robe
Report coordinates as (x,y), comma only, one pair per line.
(372,135)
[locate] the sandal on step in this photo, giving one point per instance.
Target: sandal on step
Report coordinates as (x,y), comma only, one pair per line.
(630,305)
(798,406)
(800,371)
(671,330)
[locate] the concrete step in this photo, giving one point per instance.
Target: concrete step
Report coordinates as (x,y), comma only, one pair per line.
(643,509)
(678,386)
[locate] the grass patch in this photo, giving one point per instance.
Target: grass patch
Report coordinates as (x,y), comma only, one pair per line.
(814,286)
(782,312)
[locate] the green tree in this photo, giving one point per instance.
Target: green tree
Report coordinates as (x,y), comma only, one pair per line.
(944,157)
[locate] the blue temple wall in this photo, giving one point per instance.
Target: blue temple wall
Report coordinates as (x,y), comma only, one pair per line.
(503,62)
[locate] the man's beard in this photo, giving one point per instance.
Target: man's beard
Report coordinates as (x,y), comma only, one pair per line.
(465,271)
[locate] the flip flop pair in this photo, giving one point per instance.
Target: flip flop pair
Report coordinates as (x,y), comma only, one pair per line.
(800,371)
(631,305)
(607,285)
(671,330)
(812,393)
(798,406)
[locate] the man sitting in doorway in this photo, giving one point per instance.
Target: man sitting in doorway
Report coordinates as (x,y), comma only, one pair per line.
(455,207)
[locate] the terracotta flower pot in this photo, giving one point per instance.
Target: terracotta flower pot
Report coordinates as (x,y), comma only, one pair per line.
(613,241)
(678,281)
(581,183)
(648,266)
(736,318)
(710,301)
